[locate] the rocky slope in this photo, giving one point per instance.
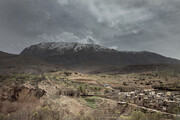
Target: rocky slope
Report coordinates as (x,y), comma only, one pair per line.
(90,55)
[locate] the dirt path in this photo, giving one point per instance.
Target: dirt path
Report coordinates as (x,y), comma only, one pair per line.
(153,110)
(141,107)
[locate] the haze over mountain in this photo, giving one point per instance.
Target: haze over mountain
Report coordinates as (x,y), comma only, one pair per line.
(90,55)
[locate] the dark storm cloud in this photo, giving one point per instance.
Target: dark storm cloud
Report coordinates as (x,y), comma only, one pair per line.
(121,24)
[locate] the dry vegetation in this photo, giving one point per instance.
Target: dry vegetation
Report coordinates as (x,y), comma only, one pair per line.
(69,95)
(46,113)
(128,81)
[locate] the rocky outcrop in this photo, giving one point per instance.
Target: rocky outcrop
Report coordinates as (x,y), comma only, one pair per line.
(14,98)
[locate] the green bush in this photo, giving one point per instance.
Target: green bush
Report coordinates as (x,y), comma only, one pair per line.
(138,115)
(154,116)
(91,101)
(176,110)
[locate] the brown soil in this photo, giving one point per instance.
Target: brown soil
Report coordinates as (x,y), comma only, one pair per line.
(18,98)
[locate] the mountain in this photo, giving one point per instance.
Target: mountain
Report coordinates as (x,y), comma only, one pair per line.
(10,63)
(79,55)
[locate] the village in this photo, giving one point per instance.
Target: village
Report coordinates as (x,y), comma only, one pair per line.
(165,101)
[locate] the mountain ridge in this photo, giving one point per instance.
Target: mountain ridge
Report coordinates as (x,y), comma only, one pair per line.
(77,46)
(62,52)
(73,54)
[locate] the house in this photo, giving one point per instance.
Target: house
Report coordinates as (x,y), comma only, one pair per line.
(106,85)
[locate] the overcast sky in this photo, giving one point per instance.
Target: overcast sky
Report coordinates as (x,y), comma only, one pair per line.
(130,25)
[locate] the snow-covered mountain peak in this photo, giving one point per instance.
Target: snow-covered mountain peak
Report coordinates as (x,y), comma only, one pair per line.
(73,46)
(76,53)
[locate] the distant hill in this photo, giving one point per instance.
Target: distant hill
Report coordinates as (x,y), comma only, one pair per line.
(10,63)
(89,56)
(4,55)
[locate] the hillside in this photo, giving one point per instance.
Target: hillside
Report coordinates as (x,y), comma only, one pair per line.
(45,91)
(90,56)
(10,63)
